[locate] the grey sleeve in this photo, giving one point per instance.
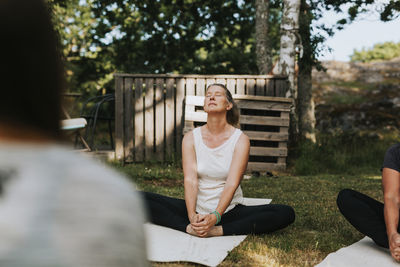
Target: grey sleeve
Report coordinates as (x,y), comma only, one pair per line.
(392,158)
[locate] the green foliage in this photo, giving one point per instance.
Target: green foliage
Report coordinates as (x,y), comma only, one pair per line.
(174,36)
(342,153)
(381,51)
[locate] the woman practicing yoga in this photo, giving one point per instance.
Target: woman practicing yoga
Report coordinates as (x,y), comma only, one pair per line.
(372,218)
(214,159)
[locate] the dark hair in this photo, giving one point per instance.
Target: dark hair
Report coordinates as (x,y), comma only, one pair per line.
(30,67)
(232,116)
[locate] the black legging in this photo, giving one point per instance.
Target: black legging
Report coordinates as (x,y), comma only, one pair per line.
(365,214)
(171,212)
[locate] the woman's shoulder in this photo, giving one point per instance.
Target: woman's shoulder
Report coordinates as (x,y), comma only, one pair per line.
(243,140)
(392,158)
(394,150)
(188,138)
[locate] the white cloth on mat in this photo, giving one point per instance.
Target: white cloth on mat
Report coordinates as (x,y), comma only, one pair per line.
(363,253)
(166,244)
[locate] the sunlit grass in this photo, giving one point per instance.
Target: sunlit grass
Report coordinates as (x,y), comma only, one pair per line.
(319,227)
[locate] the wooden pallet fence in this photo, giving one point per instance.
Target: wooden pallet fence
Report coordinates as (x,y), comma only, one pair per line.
(265,120)
(149,109)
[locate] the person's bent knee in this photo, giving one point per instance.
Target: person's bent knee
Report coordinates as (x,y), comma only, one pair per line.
(343,198)
(291,215)
(287,214)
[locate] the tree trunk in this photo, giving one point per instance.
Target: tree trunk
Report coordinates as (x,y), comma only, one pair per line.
(263,48)
(287,57)
(305,101)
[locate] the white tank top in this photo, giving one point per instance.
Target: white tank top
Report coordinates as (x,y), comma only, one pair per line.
(213,165)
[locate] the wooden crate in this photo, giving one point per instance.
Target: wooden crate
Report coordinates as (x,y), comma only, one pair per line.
(265,120)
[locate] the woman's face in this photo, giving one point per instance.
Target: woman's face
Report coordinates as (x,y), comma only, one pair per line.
(216,101)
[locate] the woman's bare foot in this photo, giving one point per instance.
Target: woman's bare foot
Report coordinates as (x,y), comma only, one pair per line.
(214,231)
(190,230)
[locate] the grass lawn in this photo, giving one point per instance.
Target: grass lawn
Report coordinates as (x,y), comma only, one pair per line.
(319,227)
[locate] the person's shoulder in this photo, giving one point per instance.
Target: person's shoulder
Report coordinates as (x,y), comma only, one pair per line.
(243,137)
(243,141)
(394,150)
(392,158)
(188,138)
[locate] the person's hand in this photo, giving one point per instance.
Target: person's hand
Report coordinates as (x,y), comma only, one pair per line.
(394,245)
(205,223)
(195,218)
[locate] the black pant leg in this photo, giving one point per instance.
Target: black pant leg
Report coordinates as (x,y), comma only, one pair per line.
(259,219)
(365,214)
(166,211)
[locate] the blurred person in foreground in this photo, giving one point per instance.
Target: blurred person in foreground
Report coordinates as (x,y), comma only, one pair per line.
(57,208)
(379,221)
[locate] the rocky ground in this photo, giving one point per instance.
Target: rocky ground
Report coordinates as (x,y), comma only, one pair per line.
(357,96)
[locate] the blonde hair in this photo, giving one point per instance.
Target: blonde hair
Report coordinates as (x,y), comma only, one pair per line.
(232,116)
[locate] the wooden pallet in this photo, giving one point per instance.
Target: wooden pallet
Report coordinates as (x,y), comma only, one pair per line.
(265,120)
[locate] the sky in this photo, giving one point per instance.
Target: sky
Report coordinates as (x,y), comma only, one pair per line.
(362,33)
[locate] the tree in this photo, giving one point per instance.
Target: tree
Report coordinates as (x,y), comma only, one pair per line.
(305,107)
(263,49)
(100,37)
(287,55)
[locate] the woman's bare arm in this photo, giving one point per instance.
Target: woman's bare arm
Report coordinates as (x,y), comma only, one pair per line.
(189,165)
(391,191)
(238,167)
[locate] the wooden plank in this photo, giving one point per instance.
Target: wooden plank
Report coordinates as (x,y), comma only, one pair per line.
(268,151)
(221,81)
(281,87)
(190,87)
(250,87)
(179,120)
(170,119)
(241,86)
(263,98)
(139,120)
(194,100)
(230,84)
(196,116)
(209,81)
(260,87)
(119,118)
(149,119)
(262,166)
(267,136)
(263,120)
(270,87)
(257,105)
(159,119)
(200,87)
(128,120)
(283,130)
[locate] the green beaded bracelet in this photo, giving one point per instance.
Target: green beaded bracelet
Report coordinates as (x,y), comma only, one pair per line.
(216,213)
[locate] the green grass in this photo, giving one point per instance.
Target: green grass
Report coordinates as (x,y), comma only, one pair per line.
(342,153)
(319,227)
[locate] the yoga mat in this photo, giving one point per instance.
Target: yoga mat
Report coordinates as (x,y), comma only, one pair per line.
(363,253)
(166,245)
